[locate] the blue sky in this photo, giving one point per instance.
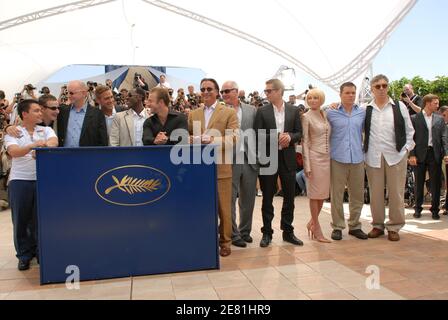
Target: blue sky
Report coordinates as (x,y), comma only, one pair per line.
(419,45)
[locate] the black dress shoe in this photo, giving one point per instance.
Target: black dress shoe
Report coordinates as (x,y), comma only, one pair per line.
(358,233)
(247,238)
(435,216)
(291,238)
(266,240)
(239,243)
(417,215)
(23,265)
(336,235)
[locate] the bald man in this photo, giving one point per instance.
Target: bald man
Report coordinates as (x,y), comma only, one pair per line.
(413,102)
(80,124)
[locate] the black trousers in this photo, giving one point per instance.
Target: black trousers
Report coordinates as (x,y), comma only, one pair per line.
(435,178)
(268,185)
(446,187)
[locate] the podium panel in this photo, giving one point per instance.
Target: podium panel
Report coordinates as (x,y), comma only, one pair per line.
(120,212)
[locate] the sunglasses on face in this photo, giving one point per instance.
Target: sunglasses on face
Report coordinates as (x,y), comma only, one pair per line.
(227,91)
(269,91)
(74,92)
(381,86)
(52,108)
(207,89)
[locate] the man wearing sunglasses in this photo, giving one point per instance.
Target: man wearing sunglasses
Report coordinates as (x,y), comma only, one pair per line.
(284,120)
(388,140)
(210,124)
(245,170)
(80,124)
(50,110)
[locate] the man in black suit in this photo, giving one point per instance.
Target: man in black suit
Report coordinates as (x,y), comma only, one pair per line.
(80,124)
(431,148)
(158,128)
(278,123)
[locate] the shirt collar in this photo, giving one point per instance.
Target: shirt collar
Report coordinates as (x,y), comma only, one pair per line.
(84,107)
(212,107)
(282,109)
(425,114)
(141,115)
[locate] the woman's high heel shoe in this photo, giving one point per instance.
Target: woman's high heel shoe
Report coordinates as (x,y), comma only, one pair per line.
(310,226)
(318,235)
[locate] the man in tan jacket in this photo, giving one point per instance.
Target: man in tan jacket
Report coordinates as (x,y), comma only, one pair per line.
(127,126)
(212,121)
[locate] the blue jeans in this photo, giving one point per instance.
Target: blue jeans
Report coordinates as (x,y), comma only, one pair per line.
(301,180)
(23,201)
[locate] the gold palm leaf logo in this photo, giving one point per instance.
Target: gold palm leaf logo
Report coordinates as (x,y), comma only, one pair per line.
(132,185)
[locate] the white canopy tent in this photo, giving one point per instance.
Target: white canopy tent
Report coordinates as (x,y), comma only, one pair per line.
(246,41)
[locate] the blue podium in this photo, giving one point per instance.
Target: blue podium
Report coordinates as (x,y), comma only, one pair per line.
(120,212)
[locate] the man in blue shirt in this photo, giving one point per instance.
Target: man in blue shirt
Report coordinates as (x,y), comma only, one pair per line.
(347,162)
(80,124)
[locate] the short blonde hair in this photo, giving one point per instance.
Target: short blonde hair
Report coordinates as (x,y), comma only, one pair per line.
(318,93)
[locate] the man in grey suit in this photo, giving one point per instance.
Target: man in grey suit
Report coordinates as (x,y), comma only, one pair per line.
(431,147)
(244,168)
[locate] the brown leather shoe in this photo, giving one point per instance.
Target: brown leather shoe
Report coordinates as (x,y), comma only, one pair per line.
(376,233)
(225,252)
(393,236)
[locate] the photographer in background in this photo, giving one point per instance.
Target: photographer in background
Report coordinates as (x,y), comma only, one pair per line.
(3,106)
(413,102)
(91,94)
(180,103)
(44,91)
(11,110)
(139,82)
(193,98)
(63,96)
(28,92)
(163,83)
(242,97)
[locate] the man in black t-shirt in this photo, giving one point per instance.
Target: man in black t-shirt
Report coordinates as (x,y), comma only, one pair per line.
(412,101)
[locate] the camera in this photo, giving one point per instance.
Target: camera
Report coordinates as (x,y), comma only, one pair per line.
(404,95)
(92,85)
(29,87)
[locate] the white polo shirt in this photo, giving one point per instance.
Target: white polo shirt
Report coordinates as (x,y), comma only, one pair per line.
(24,168)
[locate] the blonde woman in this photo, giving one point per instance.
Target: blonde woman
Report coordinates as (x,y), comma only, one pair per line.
(316,159)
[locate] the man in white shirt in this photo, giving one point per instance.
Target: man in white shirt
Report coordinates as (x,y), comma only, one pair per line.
(22,186)
(163,83)
(127,127)
(105,98)
(388,140)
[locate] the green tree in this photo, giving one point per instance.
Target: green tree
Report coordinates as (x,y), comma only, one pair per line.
(422,87)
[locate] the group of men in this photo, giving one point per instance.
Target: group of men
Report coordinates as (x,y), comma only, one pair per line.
(385,125)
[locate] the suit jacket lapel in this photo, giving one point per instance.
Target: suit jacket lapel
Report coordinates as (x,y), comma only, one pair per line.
(129,119)
(288,116)
(214,115)
(87,120)
(244,118)
(271,116)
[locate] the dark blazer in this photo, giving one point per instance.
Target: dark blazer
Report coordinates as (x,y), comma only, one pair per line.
(421,136)
(94,131)
(265,120)
(153,126)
